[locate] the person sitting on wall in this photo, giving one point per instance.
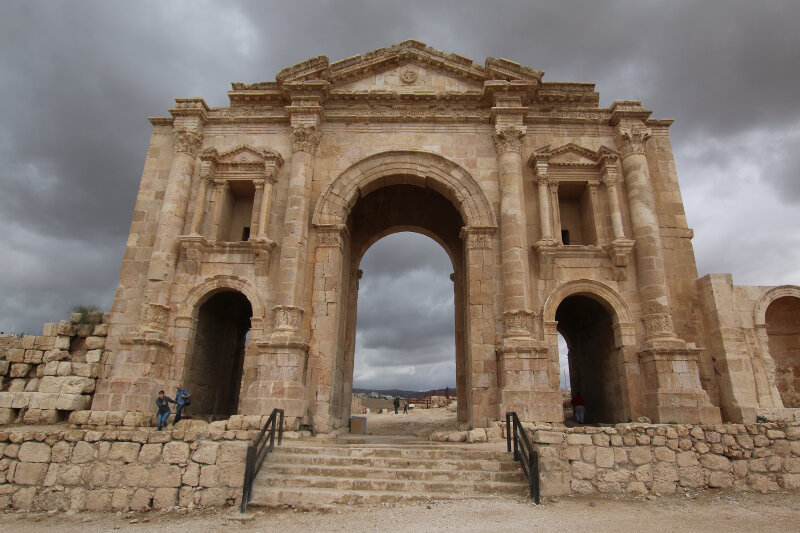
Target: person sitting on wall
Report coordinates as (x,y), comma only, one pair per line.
(162,402)
(182,399)
(580,409)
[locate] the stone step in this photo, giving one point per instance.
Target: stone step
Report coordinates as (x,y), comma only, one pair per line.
(371,472)
(317,497)
(411,452)
(486,465)
(457,486)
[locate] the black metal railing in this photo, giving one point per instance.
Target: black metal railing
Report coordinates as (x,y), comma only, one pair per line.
(257,452)
(523,452)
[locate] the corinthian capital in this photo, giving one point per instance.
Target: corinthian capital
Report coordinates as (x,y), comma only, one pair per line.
(631,137)
(508,138)
(305,138)
(187,141)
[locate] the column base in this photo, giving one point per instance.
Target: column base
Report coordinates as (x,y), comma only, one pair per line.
(672,377)
(524,373)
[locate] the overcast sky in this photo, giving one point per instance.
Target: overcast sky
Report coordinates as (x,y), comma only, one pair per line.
(79,79)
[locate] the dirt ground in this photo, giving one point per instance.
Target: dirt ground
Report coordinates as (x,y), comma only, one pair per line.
(706,512)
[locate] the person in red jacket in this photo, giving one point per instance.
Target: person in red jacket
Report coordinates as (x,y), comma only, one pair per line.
(578,407)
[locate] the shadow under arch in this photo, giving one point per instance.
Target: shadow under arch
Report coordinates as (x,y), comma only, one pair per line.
(776,317)
(596,324)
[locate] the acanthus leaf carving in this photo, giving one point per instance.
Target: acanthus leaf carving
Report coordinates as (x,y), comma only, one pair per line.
(508,138)
(188,142)
(632,138)
(305,138)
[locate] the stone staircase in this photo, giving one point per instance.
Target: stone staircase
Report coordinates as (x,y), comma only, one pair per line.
(317,475)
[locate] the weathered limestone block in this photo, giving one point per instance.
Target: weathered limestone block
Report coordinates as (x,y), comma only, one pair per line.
(579,439)
(95,343)
(55,356)
(134,475)
(582,486)
(163,475)
(98,500)
(664,454)
(34,452)
(120,499)
(94,356)
(164,498)
(640,455)
(720,480)
(140,500)
(71,475)
(604,458)
(548,437)
(209,476)
(30,473)
(715,462)
(213,497)
(581,470)
(97,418)
(150,454)
(206,453)
(4,367)
(191,476)
(33,357)
(232,475)
(124,451)
(176,452)
(232,452)
(19,370)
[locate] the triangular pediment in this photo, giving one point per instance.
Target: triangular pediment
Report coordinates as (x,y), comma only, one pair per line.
(572,154)
(242,155)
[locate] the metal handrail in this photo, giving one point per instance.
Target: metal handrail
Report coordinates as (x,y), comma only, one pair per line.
(523,452)
(257,452)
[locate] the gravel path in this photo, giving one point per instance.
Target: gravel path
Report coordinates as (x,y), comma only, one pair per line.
(711,512)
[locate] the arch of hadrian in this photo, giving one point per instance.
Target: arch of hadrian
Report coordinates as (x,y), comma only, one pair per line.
(558,215)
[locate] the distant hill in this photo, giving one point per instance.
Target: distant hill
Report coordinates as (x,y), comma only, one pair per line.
(407,393)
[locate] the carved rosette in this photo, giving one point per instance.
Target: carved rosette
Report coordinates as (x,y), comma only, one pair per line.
(154,316)
(331,235)
(657,321)
(187,142)
(287,317)
(518,323)
(508,139)
(305,138)
(478,238)
(632,138)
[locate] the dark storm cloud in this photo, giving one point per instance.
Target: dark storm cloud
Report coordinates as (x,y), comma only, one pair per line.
(78,79)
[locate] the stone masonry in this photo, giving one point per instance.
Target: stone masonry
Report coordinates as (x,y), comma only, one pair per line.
(240,276)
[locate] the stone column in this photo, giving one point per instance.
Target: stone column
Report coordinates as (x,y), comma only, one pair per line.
(291,269)
(190,116)
(540,170)
(207,171)
(266,204)
(255,214)
(513,231)
(599,228)
(620,247)
(672,390)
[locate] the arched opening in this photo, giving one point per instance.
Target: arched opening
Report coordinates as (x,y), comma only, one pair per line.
(386,211)
(405,331)
(783,332)
(593,368)
(213,372)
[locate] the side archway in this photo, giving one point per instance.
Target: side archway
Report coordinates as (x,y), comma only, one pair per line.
(777,322)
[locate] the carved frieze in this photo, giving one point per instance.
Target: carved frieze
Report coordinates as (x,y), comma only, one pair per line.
(657,320)
(518,323)
(154,316)
(287,317)
(478,238)
(187,142)
(305,138)
(508,138)
(331,235)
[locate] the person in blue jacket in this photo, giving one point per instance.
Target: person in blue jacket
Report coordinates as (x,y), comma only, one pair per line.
(182,399)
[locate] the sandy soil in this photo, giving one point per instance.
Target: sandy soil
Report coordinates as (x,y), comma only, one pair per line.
(709,512)
(417,423)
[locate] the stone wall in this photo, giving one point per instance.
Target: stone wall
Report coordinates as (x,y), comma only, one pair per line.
(122,469)
(665,459)
(43,378)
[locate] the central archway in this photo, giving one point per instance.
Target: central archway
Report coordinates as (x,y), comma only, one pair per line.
(390,193)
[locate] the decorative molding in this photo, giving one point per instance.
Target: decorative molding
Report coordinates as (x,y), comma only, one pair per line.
(657,321)
(154,316)
(478,238)
(305,138)
(187,142)
(508,139)
(519,323)
(331,235)
(287,317)
(632,137)
(408,77)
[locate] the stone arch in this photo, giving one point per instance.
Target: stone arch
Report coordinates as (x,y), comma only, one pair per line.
(205,290)
(602,293)
(412,167)
(760,310)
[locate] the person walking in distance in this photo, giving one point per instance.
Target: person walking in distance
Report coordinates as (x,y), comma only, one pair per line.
(405,407)
(162,403)
(396,404)
(182,400)
(580,409)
